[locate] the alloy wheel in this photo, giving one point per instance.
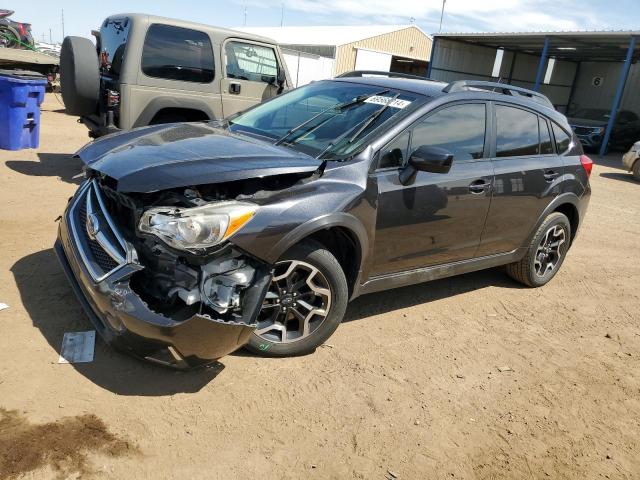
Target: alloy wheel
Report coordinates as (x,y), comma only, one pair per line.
(549,252)
(296,304)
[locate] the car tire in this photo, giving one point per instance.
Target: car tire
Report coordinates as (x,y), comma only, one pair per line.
(300,261)
(636,170)
(79,76)
(543,258)
(9,37)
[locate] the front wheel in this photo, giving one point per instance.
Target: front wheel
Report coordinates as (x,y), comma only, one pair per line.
(304,305)
(545,254)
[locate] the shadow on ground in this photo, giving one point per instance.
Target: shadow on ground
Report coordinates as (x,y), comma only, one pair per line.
(406,297)
(423,293)
(625,177)
(611,160)
(54,310)
(61,165)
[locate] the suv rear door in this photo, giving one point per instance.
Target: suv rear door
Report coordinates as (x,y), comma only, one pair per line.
(528,172)
(438,218)
(249,76)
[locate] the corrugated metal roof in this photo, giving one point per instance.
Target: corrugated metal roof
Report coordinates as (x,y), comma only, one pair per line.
(560,33)
(603,45)
(323,35)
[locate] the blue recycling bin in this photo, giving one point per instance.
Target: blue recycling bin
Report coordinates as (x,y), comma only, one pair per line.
(21,94)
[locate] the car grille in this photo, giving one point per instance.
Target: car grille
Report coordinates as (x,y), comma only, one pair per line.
(583,130)
(101,257)
(96,238)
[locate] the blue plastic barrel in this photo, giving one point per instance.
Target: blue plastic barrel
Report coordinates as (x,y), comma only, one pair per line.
(21,94)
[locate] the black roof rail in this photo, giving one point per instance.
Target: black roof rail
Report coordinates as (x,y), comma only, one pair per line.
(504,88)
(362,73)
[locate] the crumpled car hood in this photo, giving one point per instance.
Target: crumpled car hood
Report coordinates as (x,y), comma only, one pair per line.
(179,155)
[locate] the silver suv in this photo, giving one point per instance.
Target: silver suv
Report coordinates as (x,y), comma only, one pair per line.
(146,70)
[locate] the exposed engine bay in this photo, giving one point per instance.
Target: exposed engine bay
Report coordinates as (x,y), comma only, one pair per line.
(177,283)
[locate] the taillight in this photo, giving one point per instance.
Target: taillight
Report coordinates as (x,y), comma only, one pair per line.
(22,29)
(587,164)
(113,98)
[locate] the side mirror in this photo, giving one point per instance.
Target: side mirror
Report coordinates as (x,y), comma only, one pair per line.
(426,159)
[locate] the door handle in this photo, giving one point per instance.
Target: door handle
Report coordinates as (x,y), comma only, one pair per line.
(479,186)
(550,175)
(234,88)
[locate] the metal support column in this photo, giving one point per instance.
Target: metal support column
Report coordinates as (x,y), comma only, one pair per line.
(616,100)
(573,88)
(513,66)
(432,56)
(541,64)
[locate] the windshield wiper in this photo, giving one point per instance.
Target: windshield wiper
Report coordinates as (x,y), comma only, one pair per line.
(368,121)
(372,118)
(337,108)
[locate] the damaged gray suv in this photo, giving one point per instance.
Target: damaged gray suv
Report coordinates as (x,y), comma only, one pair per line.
(189,241)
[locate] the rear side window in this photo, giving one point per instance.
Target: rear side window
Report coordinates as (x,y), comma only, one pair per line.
(459,129)
(546,145)
(517,132)
(246,61)
(563,139)
(113,40)
(176,53)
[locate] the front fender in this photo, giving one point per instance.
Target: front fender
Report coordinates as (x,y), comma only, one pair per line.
(338,219)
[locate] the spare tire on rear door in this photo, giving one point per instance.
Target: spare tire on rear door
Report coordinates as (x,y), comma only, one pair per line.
(79,76)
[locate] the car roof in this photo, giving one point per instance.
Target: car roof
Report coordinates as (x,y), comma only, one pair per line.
(434,89)
(223,32)
(426,87)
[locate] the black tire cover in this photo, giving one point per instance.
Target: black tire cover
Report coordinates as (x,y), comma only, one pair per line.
(79,76)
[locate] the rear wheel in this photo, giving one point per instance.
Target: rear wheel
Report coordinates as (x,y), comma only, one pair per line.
(305,303)
(545,254)
(9,38)
(636,170)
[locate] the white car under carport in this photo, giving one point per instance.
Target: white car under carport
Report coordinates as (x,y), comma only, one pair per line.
(631,160)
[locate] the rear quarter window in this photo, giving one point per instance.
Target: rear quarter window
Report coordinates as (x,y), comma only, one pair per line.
(563,139)
(114,34)
(176,53)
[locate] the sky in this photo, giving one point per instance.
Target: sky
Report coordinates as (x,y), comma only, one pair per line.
(80,17)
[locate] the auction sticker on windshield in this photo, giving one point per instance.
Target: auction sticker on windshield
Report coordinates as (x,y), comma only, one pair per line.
(380,100)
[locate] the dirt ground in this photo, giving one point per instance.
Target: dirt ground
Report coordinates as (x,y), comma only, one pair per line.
(408,386)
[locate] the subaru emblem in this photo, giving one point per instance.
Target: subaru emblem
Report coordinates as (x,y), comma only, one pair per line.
(93,226)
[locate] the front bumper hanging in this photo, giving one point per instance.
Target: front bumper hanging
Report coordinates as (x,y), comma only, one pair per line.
(99,263)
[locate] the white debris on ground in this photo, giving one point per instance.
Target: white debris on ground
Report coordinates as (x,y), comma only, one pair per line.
(78,347)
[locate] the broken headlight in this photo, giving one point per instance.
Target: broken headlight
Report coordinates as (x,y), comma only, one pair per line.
(198,227)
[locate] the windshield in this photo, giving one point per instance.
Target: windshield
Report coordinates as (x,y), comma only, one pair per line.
(328,118)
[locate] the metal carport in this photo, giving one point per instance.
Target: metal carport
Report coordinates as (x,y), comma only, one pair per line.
(566,48)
